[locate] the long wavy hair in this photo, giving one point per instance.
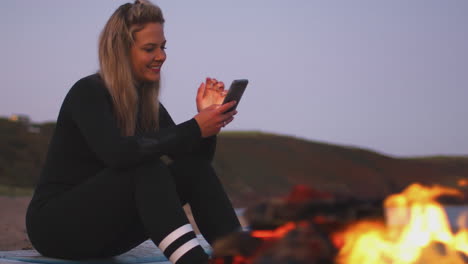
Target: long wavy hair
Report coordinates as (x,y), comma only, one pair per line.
(129,98)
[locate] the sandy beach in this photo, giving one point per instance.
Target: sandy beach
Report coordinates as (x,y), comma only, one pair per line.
(12,223)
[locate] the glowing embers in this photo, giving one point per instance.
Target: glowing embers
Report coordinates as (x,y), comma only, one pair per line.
(417,230)
(274,234)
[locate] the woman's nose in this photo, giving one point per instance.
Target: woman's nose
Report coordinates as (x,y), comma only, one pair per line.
(160,55)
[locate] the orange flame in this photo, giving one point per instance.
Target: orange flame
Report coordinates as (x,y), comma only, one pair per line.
(417,231)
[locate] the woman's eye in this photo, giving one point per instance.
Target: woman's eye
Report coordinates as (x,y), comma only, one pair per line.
(149,50)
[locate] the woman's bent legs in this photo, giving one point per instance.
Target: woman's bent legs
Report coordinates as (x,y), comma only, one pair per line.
(113,212)
(198,185)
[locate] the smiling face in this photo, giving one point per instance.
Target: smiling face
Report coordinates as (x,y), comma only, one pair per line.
(147,53)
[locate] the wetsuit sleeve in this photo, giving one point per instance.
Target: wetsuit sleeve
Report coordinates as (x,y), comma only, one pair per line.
(91,110)
(204,149)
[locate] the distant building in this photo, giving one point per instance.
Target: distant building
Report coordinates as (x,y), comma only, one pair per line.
(26,122)
(23,119)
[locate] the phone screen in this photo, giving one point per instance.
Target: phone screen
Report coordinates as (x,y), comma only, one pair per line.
(235,92)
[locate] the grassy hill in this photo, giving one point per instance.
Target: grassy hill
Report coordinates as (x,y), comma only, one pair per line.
(254,165)
(22,152)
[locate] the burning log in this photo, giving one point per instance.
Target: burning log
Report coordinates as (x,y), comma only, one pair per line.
(303,245)
(323,209)
(294,229)
(236,244)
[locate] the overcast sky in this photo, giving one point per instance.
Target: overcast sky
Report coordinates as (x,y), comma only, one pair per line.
(390,76)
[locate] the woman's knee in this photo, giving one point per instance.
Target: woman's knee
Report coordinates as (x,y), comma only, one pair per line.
(193,171)
(154,174)
(193,164)
(150,169)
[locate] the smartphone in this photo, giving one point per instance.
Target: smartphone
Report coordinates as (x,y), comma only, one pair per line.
(235,92)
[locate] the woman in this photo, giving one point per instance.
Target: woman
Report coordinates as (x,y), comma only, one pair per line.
(104,188)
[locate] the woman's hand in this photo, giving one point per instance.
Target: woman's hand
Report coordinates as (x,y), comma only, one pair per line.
(214,117)
(210,93)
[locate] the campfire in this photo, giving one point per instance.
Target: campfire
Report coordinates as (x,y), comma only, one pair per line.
(422,224)
(417,230)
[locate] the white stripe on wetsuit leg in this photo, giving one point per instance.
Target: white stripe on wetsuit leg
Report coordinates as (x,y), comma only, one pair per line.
(183,249)
(169,239)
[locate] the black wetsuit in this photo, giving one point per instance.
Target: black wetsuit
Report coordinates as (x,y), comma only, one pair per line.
(101,194)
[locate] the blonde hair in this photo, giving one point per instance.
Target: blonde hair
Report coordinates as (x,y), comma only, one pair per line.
(115,43)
